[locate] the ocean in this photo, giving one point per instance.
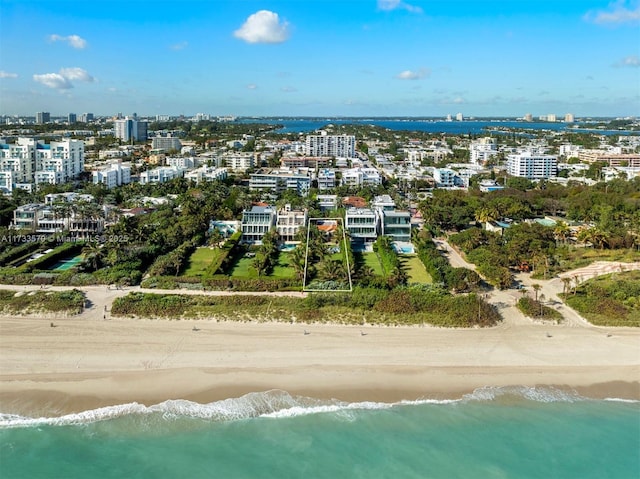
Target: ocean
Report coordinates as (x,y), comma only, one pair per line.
(492,433)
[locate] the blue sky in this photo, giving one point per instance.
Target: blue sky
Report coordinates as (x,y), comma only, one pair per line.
(324,57)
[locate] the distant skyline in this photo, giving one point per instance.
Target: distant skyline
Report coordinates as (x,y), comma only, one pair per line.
(321,58)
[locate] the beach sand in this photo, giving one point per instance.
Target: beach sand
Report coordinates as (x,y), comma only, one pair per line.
(83,364)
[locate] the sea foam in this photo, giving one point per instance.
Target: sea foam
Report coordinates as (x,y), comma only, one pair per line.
(275,404)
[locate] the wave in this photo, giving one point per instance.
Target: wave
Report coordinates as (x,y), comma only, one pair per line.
(276,404)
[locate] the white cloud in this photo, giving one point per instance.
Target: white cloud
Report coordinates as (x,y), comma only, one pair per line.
(252,86)
(288,89)
(76,73)
(179,46)
(388,5)
(4,74)
(616,14)
(632,61)
(263,27)
(53,80)
(62,80)
(74,41)
(459,100)
(413,75)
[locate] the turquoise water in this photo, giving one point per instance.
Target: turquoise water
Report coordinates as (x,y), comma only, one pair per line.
(494,433)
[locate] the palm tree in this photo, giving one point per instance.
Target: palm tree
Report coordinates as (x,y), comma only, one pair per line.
(486,214)
(566,285)
(561,232)
(92,251)
(332,270)
(536,287)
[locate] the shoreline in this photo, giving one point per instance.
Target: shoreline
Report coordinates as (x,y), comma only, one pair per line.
(82,364)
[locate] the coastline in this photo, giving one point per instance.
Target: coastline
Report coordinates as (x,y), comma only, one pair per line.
(82,365)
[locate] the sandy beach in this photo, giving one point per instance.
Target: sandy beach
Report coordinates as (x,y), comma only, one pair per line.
(82,364)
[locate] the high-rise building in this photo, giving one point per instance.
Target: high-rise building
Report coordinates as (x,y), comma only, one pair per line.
(43,117)
(72,118)
(569,118)
(528,117)
(459,117)
(343,146)
(86,117)
(552,117)
(130,129)
(531,165)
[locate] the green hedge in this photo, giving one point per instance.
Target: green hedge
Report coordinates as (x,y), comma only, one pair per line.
(222,262)
(62,251)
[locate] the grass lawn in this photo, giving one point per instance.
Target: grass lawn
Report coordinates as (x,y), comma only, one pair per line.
(200,260)
(243,269)
(415,269)
(371,260)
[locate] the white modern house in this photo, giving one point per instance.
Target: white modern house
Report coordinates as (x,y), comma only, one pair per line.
(256,222)
(361,224)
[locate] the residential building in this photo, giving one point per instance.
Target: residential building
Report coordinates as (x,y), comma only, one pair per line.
(444,177)
(361,177)
(25,217)
(160,175)
(361,224)
(631,160)
(487,186)
(314,162)
(29,160)
(43,117)
(86,118)
(256,222)
(239,162)
(116,174)
(78,221)
(289,222)
(130,129)
(72,118)
(552,117)
(279,180)
(326,179)
(166,143)
(206,173)
(459,117)
(483,150)
(182,162)
(528,117)
(396,224)
(331,145)
(569,118)
(327,202)
(532,165)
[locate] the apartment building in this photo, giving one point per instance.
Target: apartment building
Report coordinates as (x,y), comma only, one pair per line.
(314,162)
(206,173)
(166,143)
(483,150)
(32,161)
(278,181)
(326,179)
(130,129)
(361,177)
(331,145)
(160,175)
(532,165)
(116,174)
(239,162)
(631,160)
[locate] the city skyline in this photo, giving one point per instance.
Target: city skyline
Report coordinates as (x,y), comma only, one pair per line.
(327,58)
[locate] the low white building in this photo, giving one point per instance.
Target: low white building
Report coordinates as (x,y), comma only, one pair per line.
(326,179)
(361,177)
(160,175)
(116,174)
(361,224)
(206,173)
(256,222)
